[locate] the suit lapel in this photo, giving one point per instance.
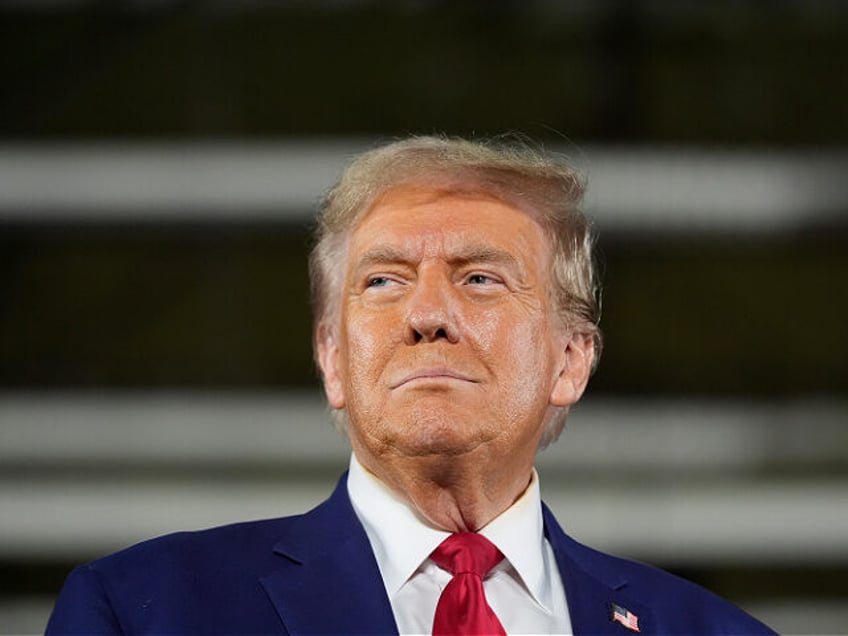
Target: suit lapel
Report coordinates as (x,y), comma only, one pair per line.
(591,592)
(328,581)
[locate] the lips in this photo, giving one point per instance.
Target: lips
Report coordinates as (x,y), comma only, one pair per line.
(432,373)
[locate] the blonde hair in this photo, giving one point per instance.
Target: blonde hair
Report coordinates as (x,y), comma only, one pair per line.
(506,168)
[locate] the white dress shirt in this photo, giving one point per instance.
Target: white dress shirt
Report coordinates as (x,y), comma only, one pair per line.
(525,589)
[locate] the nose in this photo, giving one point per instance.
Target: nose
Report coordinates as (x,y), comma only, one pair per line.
(431,311)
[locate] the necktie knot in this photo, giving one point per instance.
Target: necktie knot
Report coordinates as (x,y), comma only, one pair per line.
(467,552)
(462,606)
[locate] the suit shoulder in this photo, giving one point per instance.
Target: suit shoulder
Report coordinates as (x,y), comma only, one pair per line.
(244,542)
(680,602)
(178,583)
(187,582)
(678,605)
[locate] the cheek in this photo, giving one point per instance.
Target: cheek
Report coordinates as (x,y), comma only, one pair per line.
(521,352)
(511,342)
(368,343)
(486,330)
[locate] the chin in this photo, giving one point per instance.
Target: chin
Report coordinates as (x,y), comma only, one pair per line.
(426,434)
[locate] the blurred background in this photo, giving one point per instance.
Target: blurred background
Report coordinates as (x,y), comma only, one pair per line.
(160,162)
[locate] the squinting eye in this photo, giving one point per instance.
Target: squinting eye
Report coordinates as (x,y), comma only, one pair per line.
(378,281)
(479,279)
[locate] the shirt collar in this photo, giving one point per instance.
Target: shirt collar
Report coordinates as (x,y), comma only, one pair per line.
(401,540)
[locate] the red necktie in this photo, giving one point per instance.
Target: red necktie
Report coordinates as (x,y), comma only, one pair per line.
(462,607)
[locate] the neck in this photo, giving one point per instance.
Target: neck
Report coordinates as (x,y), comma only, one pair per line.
(454,494)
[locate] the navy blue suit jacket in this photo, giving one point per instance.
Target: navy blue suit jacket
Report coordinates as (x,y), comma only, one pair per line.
(316,574)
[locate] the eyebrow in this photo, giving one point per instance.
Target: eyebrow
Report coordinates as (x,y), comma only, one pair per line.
(384,254)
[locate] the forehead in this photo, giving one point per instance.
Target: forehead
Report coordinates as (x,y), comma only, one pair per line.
(427,218)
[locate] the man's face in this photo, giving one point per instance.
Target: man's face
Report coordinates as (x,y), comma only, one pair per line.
(447,342)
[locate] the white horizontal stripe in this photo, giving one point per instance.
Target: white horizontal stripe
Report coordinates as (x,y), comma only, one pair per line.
(680,522)
(666,481)
(677,522)
(631,188)
(601,435)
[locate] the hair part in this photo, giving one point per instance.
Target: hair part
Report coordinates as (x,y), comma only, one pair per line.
(509,169)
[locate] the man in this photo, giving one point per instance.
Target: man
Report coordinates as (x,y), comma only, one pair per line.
(455,324)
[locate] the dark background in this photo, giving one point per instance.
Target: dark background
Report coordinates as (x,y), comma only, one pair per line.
(99,306)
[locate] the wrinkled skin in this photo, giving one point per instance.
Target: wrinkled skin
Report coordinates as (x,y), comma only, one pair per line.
(448,355)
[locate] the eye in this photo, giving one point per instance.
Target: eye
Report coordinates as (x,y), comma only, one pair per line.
(377,281)
(481,279)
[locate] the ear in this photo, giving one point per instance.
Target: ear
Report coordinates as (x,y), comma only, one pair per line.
(329,359)
(575,369)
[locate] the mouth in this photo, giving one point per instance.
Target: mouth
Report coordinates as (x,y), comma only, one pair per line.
(433,374)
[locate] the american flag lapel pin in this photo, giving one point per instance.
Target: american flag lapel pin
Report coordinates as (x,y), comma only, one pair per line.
(624,616)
